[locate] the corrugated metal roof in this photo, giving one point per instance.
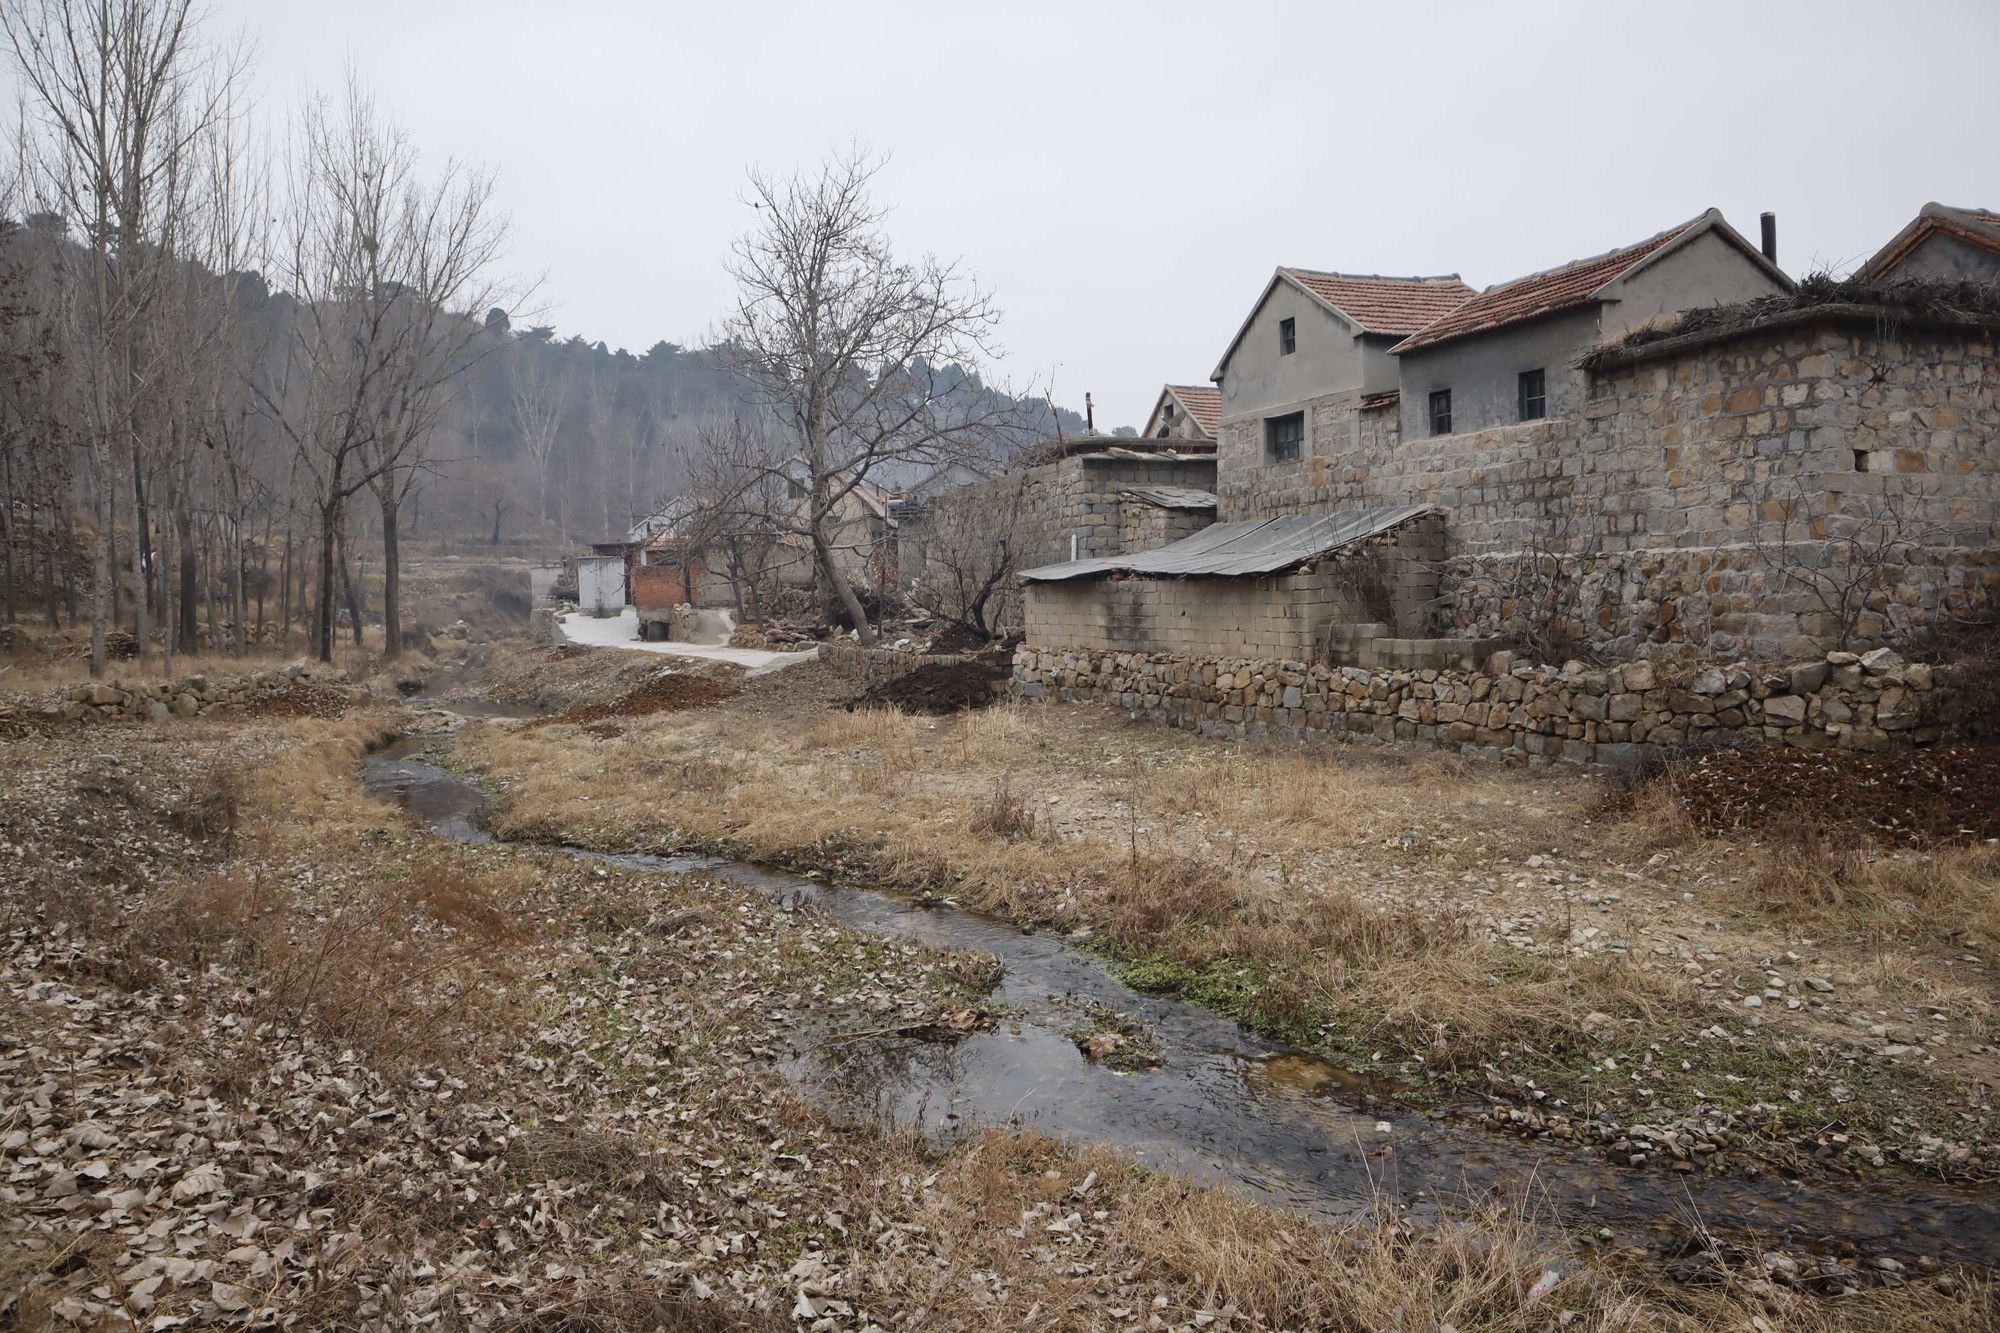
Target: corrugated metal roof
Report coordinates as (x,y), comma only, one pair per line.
(1172,497)
(1240,550)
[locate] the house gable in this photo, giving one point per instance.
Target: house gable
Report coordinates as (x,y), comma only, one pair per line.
(1942,243)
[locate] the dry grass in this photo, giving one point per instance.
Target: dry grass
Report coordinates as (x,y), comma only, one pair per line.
(865,788)
(1213,1250)
(1818,879)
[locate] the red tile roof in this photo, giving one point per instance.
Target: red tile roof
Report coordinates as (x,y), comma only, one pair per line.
(1203,402)
(1558,289)
(1974,226)
(1384,305)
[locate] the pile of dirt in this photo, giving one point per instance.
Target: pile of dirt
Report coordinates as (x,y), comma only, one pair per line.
(666,692)
(940,687)
(1915,796)
(301,699)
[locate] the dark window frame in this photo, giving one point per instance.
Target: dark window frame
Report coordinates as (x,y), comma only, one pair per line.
(1291,447)
(1288,336)
(1532,395)
(1439,405)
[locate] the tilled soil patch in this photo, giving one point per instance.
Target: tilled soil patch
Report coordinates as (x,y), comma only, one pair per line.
(1916,796)
(667,692)
(939,687)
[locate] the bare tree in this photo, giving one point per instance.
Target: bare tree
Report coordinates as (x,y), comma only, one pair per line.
(540,388)
(734,505)
(376,261)
(122,90)
(969,547)
(858,355)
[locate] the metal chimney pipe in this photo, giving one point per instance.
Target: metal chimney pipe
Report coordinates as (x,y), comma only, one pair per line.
(1770,221)
(1089,415)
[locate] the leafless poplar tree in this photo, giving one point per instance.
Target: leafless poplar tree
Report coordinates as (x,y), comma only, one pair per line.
(854,352)
(540,390)
(386,272)
(121,91)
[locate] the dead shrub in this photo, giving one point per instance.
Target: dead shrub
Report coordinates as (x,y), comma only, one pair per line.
(1165,894)
(1005,816)
(213,805)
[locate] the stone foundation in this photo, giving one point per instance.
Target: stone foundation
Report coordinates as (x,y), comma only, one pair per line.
(1617,716)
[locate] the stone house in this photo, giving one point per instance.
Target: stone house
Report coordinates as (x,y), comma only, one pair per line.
(1957,244)
(1507,355)
(1309,373)
(1185,412)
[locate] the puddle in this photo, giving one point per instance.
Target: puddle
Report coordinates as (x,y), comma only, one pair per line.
(1226,1105)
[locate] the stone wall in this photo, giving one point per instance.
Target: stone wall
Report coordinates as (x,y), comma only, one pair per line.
(1520,713)
(872,666)
(1691,466)
(191,696)
(1338,428)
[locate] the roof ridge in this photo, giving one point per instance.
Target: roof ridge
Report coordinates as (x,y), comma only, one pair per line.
(1676,230)
(1371,277)
(1936,209)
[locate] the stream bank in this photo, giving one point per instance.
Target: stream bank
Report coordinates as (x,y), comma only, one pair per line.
(1222,1104)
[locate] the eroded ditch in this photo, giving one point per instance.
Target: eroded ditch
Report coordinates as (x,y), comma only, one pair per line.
(1227,1105)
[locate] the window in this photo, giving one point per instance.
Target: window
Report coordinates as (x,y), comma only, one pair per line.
(1284,437)
(1534,395)
(1440,411)
(1288,336)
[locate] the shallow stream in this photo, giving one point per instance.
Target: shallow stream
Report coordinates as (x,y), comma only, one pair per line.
(1227,1105)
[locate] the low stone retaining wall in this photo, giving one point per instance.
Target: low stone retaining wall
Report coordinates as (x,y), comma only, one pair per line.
(1613,715)
(191,696)
(872,666)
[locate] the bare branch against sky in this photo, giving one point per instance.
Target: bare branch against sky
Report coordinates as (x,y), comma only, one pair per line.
(1124,176)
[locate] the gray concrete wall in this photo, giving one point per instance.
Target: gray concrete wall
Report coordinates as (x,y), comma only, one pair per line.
(1483,372)
(1259,379)
(1707,271)
(1947,257)
(1181,427)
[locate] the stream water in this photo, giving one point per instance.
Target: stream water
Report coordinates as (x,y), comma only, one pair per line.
(1227,1105)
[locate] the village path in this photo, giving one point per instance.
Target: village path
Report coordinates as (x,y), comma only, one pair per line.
(622,631)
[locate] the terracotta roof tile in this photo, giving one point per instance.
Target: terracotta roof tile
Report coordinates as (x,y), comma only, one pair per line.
(1558,289)
(1384,305)
(1202,401)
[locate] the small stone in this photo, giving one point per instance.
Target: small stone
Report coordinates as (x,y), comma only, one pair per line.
(1882,661)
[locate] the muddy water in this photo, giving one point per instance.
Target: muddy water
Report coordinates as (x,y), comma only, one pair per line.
(1226,1105)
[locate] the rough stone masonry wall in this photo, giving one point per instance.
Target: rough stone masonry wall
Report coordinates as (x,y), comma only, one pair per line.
(1617,716)
(1682,465)
(872,666)
(1338,428)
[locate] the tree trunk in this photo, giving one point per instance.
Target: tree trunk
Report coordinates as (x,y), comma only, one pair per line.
(347,590)
(829,570)
(392,593)
(190,573)
(322,640)
(142,548)
(102,582)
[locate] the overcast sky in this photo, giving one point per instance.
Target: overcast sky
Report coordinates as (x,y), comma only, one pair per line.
(1125,176)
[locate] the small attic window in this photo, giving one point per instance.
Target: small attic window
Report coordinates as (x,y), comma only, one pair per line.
(1288,336)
